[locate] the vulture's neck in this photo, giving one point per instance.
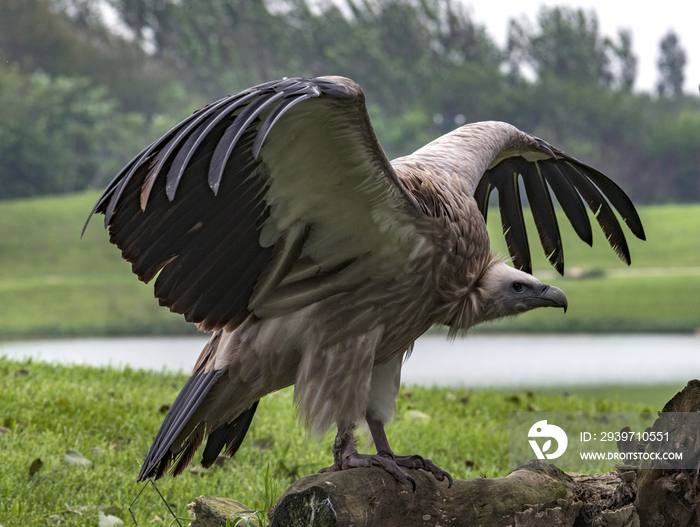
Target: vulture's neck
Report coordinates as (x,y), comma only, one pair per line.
(463,299)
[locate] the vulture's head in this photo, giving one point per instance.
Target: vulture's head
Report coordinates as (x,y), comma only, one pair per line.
(500,291)
(508,292)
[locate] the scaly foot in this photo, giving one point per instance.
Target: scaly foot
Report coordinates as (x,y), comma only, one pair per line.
(416,461)
(345,456)
(352,459)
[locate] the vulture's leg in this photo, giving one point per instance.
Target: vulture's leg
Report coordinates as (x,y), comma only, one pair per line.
(386,381)
(384,386)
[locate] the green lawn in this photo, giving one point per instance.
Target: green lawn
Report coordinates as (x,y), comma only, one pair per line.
(110,416)
(672,232)
(52,283)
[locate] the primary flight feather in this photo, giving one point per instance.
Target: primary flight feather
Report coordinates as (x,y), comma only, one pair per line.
(273,219)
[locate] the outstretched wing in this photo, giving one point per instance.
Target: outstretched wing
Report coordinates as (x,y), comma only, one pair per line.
(261,202)
(573,184)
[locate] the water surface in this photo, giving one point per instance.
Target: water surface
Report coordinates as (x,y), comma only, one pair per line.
(477,361)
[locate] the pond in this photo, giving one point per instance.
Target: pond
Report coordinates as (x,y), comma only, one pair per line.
(476,361)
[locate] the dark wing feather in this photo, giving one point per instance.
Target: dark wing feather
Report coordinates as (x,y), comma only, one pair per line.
(573,184)
(506,181)
(614,194)
(545,219)
(240,189)
(569,200)
(187,150)
(111,196)
(233,133)
(274,116)
(481,196)
(192,242)
(602,211)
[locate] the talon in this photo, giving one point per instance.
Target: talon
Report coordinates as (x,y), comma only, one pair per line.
(413,482)
(449,479)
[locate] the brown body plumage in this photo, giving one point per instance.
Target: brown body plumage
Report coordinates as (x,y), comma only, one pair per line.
(273,219)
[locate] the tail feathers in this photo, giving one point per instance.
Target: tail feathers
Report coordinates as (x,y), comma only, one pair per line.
(230,435)
(193,443)
(188,400)
(181,460)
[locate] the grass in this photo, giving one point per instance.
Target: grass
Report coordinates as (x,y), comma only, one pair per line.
(52,283)
(55,284)
(672,232)
(110,416)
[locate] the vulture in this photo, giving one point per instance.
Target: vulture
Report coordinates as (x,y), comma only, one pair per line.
(274,220)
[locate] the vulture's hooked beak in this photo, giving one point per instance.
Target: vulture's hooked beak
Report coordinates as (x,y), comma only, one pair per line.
(549,296)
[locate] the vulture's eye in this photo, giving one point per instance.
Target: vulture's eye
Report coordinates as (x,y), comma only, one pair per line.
(517,287)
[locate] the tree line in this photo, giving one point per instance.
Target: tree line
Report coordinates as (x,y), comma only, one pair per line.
(79,96)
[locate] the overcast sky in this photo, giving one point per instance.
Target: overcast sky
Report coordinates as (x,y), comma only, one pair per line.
(648,22)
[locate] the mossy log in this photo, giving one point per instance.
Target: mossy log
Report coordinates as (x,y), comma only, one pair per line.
(535,494)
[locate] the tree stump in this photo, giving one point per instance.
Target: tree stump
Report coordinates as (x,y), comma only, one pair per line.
(534,495)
